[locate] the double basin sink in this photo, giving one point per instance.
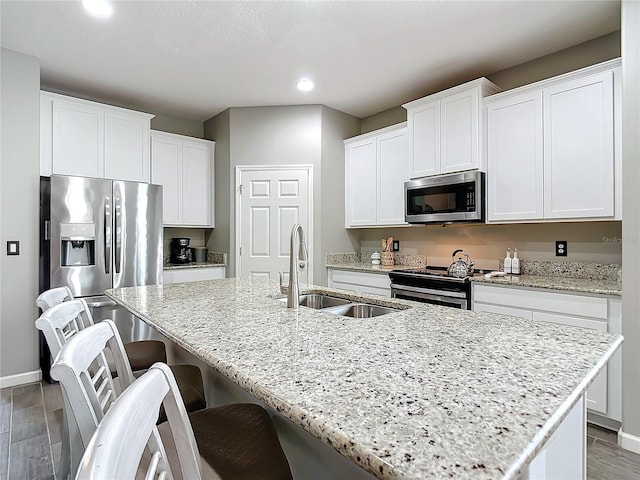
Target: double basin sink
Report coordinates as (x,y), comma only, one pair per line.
(342,306)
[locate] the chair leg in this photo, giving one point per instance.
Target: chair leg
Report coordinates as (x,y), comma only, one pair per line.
(65,454)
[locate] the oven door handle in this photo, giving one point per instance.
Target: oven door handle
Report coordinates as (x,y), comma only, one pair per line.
(437,294)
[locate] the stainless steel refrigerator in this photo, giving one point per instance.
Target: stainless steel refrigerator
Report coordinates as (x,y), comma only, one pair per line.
(97,234)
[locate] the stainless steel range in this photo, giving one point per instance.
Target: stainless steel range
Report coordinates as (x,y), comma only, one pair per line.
(432,285)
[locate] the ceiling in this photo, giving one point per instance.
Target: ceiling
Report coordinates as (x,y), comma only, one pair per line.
(194,59)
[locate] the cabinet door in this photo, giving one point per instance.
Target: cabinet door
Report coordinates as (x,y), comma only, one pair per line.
(578,150)
(393,171)
(166,170)
(126,147)
(515,166)
(424,138)
(597,391)
(459,132)
(196,184)
(78,139)
(361,183)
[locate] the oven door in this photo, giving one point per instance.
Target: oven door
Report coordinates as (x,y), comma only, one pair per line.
(428,295)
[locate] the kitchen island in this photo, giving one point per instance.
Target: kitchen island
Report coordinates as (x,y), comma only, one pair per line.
(424,392)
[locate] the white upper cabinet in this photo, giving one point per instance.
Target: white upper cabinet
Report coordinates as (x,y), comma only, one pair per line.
(184,168)
(376,167)
(444,129)
(551,149)
(514,145)
(578,148)
(89,139)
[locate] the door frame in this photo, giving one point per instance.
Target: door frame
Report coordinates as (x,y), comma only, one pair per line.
(308,231)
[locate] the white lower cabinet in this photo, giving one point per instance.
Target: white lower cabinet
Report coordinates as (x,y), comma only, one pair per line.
(360,282)
(194,274)
(591,312)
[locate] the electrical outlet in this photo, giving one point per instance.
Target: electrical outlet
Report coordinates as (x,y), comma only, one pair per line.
(561,248)
(396,246)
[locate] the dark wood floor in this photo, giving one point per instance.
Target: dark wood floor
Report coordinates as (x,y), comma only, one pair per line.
(31,426)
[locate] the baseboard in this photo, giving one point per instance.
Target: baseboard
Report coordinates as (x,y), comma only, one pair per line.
(629,442)
(20,379)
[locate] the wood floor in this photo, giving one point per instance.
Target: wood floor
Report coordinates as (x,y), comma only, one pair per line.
(31,426)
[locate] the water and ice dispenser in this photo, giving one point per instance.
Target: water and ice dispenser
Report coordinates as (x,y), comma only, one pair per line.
(77,244)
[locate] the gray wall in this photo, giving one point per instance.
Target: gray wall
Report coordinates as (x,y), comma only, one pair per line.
(631,218)
(589,53)
(281,135)
(19,211)
(597,242)
(336,126)
(180,126)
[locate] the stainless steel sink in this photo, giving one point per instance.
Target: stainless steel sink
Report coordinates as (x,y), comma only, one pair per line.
(342,306)
(319,300)
(361,310)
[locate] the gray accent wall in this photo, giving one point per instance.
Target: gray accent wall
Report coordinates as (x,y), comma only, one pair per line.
(19,211)
(282,135)
(631,218)
(180,126)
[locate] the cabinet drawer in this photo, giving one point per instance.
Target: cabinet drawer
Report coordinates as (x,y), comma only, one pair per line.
(561,303)
(514,312)
(361,278)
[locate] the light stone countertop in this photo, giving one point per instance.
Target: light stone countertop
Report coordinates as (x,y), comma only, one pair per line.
(558,281)
(577,285)
(426,392)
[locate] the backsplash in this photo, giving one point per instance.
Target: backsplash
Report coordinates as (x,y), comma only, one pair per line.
(365,257)
(592,271)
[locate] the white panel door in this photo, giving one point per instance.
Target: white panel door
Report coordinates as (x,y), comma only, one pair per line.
(196,184)
(578,150)
(515,165)
(126,149)
(459,132)
(424,139)
(167,171)
(361,183)
(269,202)
(393,171)
(78,140)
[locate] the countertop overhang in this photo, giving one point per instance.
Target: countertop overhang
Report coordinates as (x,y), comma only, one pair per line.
(424,392)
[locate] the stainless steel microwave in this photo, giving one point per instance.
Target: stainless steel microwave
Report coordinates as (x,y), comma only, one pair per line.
(457,197)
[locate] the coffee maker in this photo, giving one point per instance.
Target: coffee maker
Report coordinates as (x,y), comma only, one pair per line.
(180,251)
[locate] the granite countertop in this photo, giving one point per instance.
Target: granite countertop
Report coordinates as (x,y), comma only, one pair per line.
(366,267)
(424,392)
(554,280)
(180,266)
(578,285)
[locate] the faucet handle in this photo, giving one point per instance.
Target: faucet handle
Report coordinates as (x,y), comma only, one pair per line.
(283,287)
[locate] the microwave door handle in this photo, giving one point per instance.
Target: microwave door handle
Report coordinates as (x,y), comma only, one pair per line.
(107,235)
(118,232)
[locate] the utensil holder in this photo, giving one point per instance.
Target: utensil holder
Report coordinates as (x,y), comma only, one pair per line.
(386,258)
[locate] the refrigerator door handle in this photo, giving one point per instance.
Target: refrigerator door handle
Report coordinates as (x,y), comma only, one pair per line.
(107,235)
(118,227)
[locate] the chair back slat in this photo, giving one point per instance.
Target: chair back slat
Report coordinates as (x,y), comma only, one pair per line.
(129,429)
(82,369)
(61,322)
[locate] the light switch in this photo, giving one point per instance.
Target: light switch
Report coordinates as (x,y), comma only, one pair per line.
(13,247)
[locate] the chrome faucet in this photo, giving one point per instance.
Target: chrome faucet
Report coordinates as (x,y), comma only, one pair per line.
(297,259)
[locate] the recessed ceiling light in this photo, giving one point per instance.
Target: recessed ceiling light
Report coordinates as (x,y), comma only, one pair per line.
(98,8)
(305,84)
